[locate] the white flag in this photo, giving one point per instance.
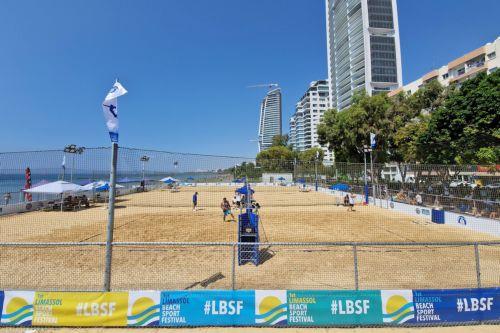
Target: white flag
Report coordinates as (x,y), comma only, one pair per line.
(373,140)
(110,109)
(64,162)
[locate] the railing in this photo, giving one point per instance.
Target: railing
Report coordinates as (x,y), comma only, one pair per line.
(185,266)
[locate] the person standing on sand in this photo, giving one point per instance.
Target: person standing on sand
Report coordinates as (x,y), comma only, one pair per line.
(226,209)
(7,198)
(195,201)
(351,203)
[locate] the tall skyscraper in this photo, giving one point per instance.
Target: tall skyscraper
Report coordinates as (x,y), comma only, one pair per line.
(363,48)
(309,112)
(270,118)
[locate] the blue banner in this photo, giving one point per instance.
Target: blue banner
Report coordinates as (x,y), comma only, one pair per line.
(310,308)
(325,308)
(207,308)
(1,304)
(456,305)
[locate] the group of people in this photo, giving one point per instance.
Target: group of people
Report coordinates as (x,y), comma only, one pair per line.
(238,202)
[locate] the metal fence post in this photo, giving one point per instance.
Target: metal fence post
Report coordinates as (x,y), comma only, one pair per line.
(233,268)
(478,267)
(356,276)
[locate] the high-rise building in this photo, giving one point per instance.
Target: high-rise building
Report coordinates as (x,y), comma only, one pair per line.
(270,118)
(484,59)
(363,48)
(309,112)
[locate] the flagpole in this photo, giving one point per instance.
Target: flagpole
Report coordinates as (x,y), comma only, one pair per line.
(112,124)
(111,216)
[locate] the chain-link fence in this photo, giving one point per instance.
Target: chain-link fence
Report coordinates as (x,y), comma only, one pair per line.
(166,237)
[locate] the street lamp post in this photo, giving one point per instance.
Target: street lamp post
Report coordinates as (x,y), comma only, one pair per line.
(73,149)
(144,159)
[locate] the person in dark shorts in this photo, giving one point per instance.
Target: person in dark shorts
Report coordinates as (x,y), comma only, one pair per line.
(195,201)
(346,200)
(226,209)
(351,203)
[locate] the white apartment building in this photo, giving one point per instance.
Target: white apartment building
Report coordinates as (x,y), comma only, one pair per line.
(270,118)
(363,48)
(309,112)
(484,59)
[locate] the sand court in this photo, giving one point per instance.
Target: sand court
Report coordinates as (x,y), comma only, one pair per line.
(287,215)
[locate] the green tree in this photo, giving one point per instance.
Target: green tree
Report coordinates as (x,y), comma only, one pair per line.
(309,155)
(348,131)
(465,128)
(280,141)
(276,159)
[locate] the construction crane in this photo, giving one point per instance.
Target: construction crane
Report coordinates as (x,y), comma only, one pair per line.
(268,85)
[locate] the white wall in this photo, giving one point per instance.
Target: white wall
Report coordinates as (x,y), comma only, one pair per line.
(480,224)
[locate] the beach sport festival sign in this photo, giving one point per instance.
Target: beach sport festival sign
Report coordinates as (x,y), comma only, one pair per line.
(110,109)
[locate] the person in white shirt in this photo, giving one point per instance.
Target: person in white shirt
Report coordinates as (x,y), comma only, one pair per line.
(418,198)
(351,203)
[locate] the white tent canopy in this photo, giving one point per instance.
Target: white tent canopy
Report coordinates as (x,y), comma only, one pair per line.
(95,185)
(57,187)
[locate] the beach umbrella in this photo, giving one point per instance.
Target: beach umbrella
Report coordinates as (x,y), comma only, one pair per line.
(57,187)
(244,190)
(99,186)
(106,187)
(169,180)
(281,178)
(301,180)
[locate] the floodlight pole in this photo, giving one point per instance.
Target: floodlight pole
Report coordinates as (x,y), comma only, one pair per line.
(316,174)
(365,150)
(64,167)
(144,159)
(373,178)
(316,170)
(111,216)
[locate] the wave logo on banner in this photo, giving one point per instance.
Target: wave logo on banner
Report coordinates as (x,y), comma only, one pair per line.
(271,307)
(18,308)
(143,308)
(397,306)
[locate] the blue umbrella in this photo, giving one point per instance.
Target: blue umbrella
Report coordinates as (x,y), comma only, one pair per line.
(301,180)
(169,181)
(281,178)
(244,190)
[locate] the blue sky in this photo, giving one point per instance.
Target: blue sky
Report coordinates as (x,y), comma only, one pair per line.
(186,65)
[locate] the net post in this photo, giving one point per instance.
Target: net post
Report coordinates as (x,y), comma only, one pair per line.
(111,217)
(233,268)
(356,276)
(478,267)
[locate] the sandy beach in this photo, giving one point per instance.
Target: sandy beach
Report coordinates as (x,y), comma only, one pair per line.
(287,215)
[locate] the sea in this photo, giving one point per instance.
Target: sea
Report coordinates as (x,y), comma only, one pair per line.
(14,183)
